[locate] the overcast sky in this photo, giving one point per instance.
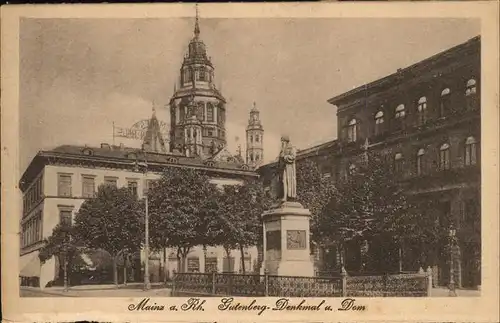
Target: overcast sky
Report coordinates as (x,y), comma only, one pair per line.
(78,76)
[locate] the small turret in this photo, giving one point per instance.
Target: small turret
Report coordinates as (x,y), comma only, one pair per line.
(255,139)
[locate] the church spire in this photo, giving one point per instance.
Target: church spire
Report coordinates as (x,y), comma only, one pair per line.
(197,25)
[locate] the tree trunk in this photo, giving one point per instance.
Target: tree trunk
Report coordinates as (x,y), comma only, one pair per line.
(204,259)
(165,264)
(65,273)
(115,270)
(242,259)
(184,254)
(124,275)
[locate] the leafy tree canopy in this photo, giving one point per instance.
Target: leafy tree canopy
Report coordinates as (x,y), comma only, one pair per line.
(112,221)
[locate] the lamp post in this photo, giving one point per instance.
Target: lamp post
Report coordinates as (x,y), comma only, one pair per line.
(452,233)
(147,284)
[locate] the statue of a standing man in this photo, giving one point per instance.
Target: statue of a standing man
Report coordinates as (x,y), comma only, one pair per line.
(286,171)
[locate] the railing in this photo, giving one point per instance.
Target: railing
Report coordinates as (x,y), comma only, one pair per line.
(256,285)
(341,285)
(399,285)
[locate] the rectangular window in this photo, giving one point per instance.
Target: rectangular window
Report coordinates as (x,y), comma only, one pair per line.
(88,186)
(193,265)
(111,181)
(148,183)
(210,264)
(132,186)
(65,217)
(64,185)
(228,264)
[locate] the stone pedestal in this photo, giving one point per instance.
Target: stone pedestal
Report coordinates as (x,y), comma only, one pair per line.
(286,241)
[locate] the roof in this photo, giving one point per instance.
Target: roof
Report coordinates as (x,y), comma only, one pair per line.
(125,158)
(428,63)
(308,152)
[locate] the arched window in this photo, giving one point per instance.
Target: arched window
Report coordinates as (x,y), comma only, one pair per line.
(422,110)
(257,138)
(398,162)
(420,161)
(445,105)
(400,114)
(379,123)
(470,151)
(400,111)
(444,157)
(470,95)
(471,87)
(352,130)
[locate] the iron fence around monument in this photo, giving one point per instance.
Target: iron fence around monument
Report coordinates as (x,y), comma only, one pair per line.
(229,284)
(254,285)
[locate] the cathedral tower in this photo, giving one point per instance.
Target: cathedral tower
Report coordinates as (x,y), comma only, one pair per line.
(196,95)
(255,139)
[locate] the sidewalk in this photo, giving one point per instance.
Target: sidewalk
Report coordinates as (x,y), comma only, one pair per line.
(131,290)
(445,292)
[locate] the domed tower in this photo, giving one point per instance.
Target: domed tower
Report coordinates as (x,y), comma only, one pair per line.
(196,88)
(255,139)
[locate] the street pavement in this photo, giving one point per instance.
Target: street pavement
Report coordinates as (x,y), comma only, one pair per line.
(96,291)
(445,292)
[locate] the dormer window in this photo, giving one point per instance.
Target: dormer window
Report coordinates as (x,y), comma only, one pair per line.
(379,123)
(422,110)
(88,152)
(352,130)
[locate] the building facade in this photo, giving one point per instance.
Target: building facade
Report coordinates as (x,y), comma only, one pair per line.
(426,120)
(58,181)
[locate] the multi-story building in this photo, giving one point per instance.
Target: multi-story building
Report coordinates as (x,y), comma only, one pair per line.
(426,119)
(58,181)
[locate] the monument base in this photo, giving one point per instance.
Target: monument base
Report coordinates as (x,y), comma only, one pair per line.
(286,243)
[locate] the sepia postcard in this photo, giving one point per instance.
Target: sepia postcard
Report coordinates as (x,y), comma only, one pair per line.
(250,162)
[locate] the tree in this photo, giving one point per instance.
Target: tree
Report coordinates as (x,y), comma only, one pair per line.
(112,221)
(239,216)
(314,191)
(181,205)
(369,202)
(63,244)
